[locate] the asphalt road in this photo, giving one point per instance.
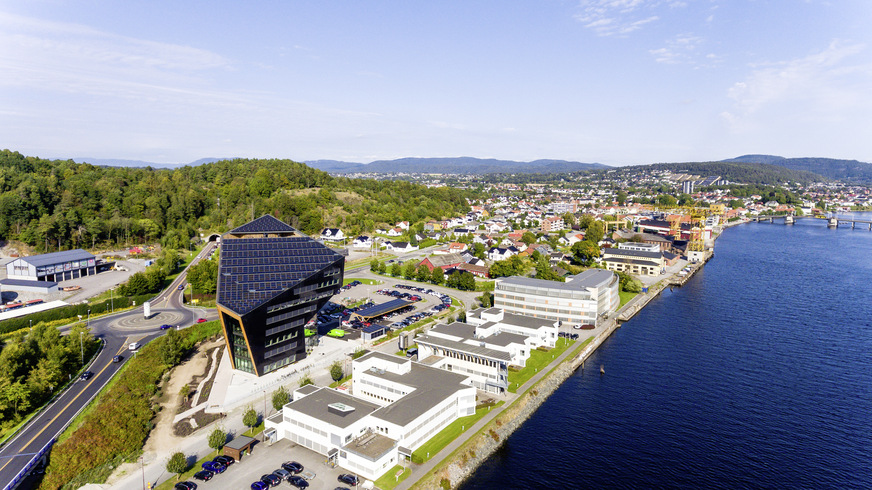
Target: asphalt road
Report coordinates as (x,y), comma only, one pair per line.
(117,332)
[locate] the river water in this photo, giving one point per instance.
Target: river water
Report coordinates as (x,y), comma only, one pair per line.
(756,374)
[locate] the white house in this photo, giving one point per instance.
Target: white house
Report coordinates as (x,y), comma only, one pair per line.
(498,253)
(362,241)
(394,232)
(332,235)
(401,247)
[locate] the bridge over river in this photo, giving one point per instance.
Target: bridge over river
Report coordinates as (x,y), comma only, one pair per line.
(832,221)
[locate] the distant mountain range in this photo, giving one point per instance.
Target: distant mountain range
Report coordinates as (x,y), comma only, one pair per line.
(851,171)
(114,162)
(831,168)
(455,165)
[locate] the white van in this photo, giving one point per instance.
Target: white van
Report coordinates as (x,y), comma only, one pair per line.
(133,346)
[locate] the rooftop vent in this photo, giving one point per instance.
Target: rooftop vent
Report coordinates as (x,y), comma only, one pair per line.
(340,408)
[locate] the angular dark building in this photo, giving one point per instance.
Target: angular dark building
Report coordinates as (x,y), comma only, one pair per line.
(272,279)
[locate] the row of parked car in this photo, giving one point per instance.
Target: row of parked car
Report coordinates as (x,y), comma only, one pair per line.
(572,336)
(399,295)
(443,297)
(289,472)
(350,285)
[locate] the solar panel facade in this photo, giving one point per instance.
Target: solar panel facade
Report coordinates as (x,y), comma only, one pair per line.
(268,288)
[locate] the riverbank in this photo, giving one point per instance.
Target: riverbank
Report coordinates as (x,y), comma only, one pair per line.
(467,453)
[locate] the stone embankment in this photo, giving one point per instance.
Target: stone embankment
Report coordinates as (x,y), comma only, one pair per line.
(481,446)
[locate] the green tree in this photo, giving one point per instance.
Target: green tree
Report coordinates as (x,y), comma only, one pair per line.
(528,238)
(280,398)
(203,276)
(423,273)
(177,464)
(595,232)
(306,380)
(249,418)
(172,347)
(621,198)
(373,265)
(336,371)
(396,269)
(217,438)
(437,276)
(585,251)
(486,299)
(409,270)
(382,268)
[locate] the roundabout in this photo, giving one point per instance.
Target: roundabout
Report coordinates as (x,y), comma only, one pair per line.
(136,321)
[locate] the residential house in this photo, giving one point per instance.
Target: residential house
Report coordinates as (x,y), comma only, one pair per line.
(332,235)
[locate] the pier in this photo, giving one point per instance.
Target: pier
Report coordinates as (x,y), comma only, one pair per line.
(832,221)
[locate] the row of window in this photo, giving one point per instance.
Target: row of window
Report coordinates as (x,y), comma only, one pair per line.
(282,338)
(279,364)
(284,316)
(529,307)
(297,301)
(443,418)
(440,351)
(536,291)
(307,427)
(368,381)
(280,350)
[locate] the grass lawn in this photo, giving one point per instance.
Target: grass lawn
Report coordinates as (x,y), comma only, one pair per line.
(536,362)
(371,282)
(626,296)
(367,260)
(393,477)
(337,383)
(188,475)
(448,434)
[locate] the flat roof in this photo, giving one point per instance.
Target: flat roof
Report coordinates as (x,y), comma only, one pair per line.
(456,329)
(57,257)
(505,338)
(379,310)
(432,385)
(32,284)
(240,442)
(464,347)
(316,405)
(371,445)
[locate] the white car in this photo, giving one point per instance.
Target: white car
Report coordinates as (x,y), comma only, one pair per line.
(133,346)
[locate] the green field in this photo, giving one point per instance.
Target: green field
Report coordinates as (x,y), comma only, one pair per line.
(536,362)
(448,434)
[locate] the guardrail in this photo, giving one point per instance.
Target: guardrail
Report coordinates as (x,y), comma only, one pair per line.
(29,466)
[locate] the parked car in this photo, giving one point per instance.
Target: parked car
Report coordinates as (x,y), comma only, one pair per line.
(270,479)
(298,481)
(412,352)
(214,466)
(292,466)
(259,485)
(204,475)
(165,327)
(117,359)
(225,460)
(282,473)
(185,485)
(133,346)
(347,479)
(86,375)
(201,320)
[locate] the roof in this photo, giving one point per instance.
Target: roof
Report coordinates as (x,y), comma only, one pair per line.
(239,442)
(444,260)
(25,283)
(265,224)
(623,260)
(254,269)
(306,390)
(456,329)
(373,328)
(315,405)
(632,253)
(379,310)
(464,347)
(57,257)
(432,385)
(505,338)
(591,278)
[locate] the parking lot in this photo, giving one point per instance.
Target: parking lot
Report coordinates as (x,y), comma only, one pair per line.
(418,309)
(266,459)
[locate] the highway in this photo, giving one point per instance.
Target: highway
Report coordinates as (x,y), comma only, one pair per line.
(117,332)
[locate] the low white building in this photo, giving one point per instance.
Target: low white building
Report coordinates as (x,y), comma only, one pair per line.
(484,348)
(397,406)
(332,235)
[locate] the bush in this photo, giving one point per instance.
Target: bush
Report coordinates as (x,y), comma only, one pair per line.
(177,463)
(280,398)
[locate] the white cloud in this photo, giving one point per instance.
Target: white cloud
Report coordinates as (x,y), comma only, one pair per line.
(828,86)
(685,49)
(619,17)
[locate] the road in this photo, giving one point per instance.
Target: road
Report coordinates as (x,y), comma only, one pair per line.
(117,332)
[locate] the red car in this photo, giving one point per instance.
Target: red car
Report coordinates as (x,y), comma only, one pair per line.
(201,320)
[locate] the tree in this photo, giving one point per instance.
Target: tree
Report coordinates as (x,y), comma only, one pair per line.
(177,463)
(528,238)
(373,265)
(585,251)
(437,276)
(621,197)
(409,270)
(396,269)
(486,299)
(382,268)
(306,380)
(595,232)
(217,438)
(280,398)
(249,418)
(336,371)
(172,348)
(423,273)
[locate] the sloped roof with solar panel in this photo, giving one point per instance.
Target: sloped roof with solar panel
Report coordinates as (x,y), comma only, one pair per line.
(255,269)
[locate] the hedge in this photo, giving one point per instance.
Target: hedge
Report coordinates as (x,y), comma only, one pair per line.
(70,312)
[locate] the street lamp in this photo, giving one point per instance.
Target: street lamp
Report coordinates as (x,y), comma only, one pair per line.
(263,432)
(89,318)
(112,298)
(82,347)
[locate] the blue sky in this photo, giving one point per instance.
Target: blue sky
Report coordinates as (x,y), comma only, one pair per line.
(611,81)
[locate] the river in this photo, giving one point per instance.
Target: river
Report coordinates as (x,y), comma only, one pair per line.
(756,374)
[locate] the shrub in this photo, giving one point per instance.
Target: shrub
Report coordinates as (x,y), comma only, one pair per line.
(177,463)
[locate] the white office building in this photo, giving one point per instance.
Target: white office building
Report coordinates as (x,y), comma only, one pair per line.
(396,407)
(582,299)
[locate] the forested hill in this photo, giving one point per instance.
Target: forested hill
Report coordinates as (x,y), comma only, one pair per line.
(458,165)
(844,170)
(60,204)
(745,173)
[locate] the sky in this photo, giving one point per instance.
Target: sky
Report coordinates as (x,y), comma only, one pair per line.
(618,82)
